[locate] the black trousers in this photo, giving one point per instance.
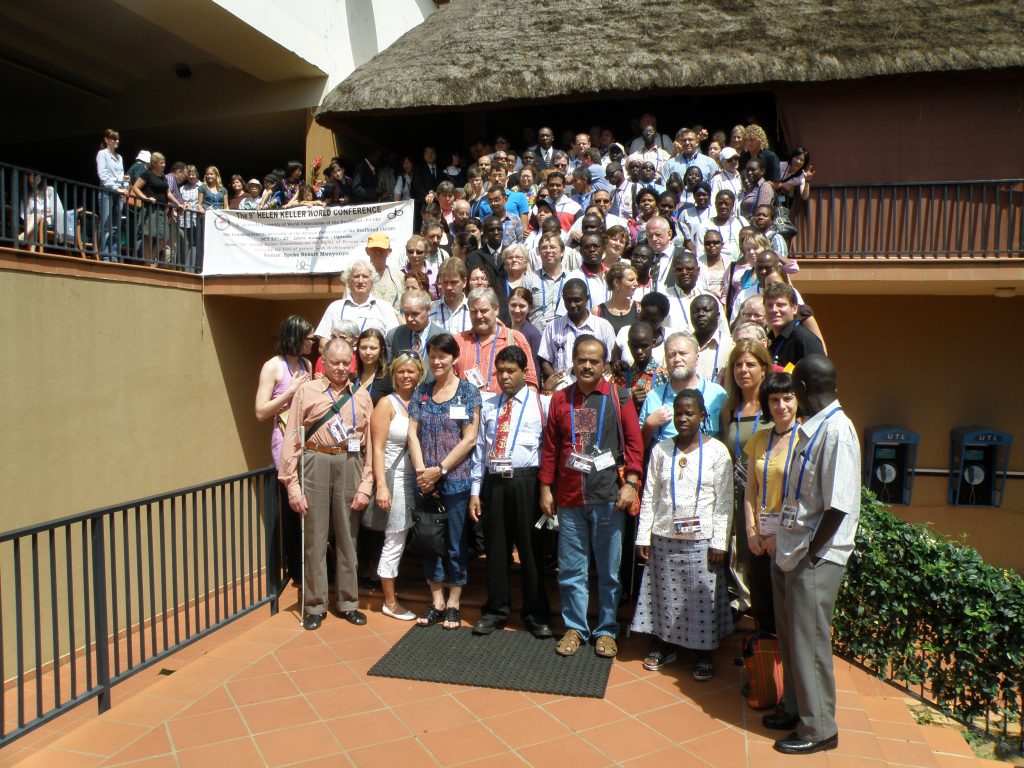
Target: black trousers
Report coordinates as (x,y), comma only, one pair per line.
(510,509)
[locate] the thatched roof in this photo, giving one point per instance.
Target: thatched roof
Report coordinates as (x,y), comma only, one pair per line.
(667,45)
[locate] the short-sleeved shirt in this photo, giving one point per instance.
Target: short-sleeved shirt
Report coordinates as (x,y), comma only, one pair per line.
(439,433)
(560,335)
(714,400)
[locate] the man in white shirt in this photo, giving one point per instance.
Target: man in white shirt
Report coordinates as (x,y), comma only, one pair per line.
(504,495)
(685,285)
(661,140)
(654,309)
(560,335)
(359,306)
(451,311)
(816,531)
(603,200)
(714,342)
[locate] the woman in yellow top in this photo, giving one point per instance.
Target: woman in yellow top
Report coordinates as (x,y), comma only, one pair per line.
(769,457)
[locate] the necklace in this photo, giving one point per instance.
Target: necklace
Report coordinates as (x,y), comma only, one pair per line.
(784,433)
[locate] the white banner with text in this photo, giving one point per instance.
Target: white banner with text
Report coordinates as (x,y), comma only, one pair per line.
(299,240)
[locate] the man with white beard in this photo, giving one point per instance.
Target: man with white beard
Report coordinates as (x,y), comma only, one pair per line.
(681,360)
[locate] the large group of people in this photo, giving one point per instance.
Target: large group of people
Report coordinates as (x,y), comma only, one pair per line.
(537,365)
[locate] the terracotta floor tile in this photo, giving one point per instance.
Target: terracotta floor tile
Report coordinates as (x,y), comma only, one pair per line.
(335,703)
(638,697)
(252,648)
(100,737)
(723,749)
(848,719)
(673,757)
(367,729)
(198,731)
(183,688)
(957,761)
(237,753)
(293,659)
(726,706)
(581,713)
(626,739)
(848,699)
(946,740)
(526,727)
(486,702)
(836,760)
(568,750)
(144,710)
(212,668)
(898,731)
(266,664)
(258,689)
(620,674)
(859,744)
(891,710)
(407,753)
(56,758)
(764,756)
(148,746)
(301,742)
(908,753)
(462,743)
(335,675)
(362,647)
(160,761)
(683,721)
(213,701)
(274,715)
(433,715)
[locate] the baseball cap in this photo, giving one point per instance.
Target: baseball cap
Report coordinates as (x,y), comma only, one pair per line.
(378,240)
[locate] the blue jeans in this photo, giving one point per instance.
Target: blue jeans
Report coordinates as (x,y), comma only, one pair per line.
(110,225)
(454,566)
(593,528)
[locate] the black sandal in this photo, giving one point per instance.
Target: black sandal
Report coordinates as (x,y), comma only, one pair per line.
(452,614)
(430,618)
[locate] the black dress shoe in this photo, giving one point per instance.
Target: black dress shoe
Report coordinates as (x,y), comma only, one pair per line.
(780,721)
(538,629)
(795,745)
(487,624)
(312,620)
(353,617)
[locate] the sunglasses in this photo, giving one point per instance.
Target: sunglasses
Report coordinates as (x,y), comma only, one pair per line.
(413,250)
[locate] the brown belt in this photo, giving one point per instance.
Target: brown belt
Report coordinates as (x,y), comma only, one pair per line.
(332,450)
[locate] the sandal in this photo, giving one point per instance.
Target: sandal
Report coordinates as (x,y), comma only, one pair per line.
(430,618)
(704,671)
(569,644)
(452,616)
(606,647)
(658,658)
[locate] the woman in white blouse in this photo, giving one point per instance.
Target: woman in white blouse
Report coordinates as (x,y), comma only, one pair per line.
(683,533)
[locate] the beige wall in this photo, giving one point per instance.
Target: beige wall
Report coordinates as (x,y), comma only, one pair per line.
(932,363)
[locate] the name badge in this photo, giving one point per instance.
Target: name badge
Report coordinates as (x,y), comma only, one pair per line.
(337,430)
(687,527)
(457,412)
(501,466)
(354,445)
(603,460)
(474,377)
(580,462)
(768,522)
(788,519)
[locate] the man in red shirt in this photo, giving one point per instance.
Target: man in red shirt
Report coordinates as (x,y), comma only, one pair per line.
(488,336)
(592,431)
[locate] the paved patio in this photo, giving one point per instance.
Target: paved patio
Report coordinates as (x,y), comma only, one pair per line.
(262,692)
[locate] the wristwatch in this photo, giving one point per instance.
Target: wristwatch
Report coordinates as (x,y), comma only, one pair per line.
(635,485)
(444,470)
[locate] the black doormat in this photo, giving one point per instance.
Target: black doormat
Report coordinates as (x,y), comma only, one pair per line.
(512,661)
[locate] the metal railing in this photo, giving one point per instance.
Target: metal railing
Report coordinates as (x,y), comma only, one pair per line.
(48,213)
(931,219)
(86,601)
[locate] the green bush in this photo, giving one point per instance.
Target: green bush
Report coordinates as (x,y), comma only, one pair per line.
(927,611)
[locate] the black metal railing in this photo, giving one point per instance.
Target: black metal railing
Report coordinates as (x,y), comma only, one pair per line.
(48,213)
(940,219)
(86,601)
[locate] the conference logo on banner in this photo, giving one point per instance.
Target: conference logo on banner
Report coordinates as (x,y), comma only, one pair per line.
(299,240)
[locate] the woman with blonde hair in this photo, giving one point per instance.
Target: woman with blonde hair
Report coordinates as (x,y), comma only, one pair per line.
(756,147)
(212,194)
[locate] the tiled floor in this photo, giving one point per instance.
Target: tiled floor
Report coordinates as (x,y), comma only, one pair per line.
(265,693)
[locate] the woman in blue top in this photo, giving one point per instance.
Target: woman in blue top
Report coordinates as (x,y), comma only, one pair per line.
(212,194)
(446,412)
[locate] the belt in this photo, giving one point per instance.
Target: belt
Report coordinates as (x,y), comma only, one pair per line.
(521,472)
(331,450)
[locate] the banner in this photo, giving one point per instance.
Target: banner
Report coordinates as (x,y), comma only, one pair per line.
(299,240)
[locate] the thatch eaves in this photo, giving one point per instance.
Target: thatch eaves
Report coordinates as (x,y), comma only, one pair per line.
(480,52)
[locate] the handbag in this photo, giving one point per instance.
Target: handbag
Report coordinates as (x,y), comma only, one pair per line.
(374,518)
(428,536)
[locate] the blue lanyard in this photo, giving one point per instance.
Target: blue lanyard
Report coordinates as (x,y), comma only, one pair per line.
(700,473)
(682,308)
(398,400)
(544,293)
(362,326)
(714,367)
(757,423)
(785,468)
(494,350)
(572,418)
(512,444)
(807,452)
(351,401)
(705,425)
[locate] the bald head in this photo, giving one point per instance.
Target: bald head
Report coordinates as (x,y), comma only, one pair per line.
(814,379)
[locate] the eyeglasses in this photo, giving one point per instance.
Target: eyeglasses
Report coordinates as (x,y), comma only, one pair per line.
(413,250)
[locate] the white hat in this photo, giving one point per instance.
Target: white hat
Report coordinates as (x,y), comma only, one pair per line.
(144,155)
(727,153)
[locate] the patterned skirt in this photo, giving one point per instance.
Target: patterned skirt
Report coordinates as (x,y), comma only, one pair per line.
(683,600)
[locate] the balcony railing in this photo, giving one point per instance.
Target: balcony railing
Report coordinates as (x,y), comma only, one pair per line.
(52,214)
(87,601)
(927,220)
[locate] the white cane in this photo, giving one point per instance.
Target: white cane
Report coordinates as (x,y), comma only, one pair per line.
(302,521)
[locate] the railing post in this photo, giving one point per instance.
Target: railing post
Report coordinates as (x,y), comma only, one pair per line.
(99,593)
(271,526)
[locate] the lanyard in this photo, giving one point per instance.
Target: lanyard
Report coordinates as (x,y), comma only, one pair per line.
(682,308)
(512,443)
(807,452)
(362,326)
(398,400)
(785,468)
(714,367)
(544,293)
(494,351)
(757,423)
(572,418)
(700,473)
(351,401)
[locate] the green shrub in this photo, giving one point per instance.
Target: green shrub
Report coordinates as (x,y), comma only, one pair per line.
(927,611)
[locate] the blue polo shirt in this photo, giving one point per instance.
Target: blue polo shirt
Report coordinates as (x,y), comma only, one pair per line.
(714,401)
